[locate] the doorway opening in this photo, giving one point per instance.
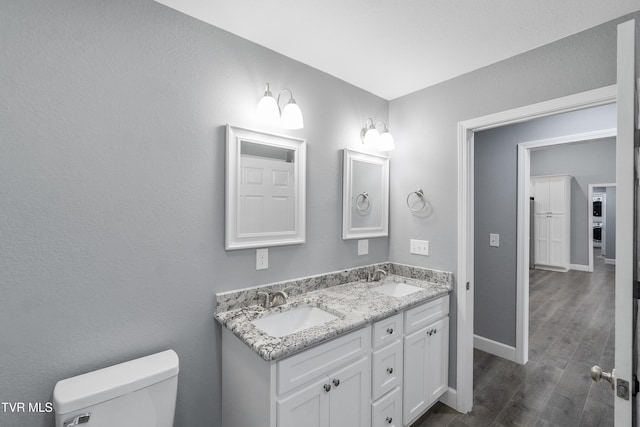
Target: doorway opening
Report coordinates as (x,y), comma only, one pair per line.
(465,272)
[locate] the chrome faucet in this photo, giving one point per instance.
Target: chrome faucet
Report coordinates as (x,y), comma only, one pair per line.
(275,299)
(377,275)
(267,300)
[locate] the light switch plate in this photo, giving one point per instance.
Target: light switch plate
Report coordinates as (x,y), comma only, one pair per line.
(494,240)
(419,247)
(262,259)
(363,247)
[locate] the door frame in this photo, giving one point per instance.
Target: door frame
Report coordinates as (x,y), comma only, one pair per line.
(464,284)
(523,223)
(590,199)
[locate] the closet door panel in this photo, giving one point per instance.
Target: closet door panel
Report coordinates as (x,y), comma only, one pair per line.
(558,195)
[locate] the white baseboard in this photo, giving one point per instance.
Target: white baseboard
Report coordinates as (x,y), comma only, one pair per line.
(552,268)
(450,398)
(610,261)
(579,267)
(493,347)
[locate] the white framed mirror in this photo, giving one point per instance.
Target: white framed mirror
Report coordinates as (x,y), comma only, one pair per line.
(265,191)
(365,195)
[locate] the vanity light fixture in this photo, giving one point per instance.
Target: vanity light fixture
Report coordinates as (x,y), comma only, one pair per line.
(269,110)
(370,136)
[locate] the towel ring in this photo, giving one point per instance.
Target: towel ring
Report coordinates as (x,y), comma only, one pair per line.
(361,199)
(420,194)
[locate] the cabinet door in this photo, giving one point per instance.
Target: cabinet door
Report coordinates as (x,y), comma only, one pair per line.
(307,407)
(349,396)
(558,241)
(426,367)
(558,193)
(416,375)
(540,194)
(438,360)
(541,236)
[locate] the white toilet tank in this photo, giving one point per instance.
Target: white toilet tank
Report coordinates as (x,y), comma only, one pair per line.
(138,393)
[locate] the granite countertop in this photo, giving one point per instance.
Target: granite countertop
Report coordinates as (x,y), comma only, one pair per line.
(355,304)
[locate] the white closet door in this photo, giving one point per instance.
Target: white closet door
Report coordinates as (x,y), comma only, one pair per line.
(558,240)
(540,192)
(557,195)
(541,239)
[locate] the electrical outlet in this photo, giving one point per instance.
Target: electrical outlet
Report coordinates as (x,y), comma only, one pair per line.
(494,240)
(363,247)
(262,259)
(419,247)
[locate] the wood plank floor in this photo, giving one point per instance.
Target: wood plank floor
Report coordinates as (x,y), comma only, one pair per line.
(570,330)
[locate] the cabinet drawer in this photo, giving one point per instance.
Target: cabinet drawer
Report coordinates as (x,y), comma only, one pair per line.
(387,411)
(425,314)
(387,369)
(387,330)
(321,360)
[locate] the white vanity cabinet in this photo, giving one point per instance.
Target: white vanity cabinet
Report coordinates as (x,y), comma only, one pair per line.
(426,357)
(385,374)
(325,386)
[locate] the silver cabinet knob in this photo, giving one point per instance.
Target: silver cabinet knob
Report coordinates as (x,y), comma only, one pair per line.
(327,387)
(389,420)
(597,375)
(390,370)
(389,331)
(336,382)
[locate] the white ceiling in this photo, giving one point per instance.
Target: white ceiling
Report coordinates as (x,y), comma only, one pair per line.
(395,47)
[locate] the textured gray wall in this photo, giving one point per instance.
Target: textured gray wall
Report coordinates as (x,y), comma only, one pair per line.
(112,190)
(424,125)
(495,208)
(112,180)
(592,162)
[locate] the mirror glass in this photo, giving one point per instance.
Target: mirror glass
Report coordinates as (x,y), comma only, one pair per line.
(365,202)
(265,189)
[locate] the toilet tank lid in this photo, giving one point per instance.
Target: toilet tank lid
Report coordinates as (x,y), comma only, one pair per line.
(98,386)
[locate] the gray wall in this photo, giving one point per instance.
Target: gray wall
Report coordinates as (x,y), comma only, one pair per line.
(592,162)
(112,190)
(424,126)
(112,181)
(495,208)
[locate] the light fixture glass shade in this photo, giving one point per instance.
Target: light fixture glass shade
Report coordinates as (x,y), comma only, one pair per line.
(371,137)
(385,141)
(268,111)
(291,116)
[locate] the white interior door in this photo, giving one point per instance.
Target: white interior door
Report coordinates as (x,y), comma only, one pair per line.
(625,179)
(266,186)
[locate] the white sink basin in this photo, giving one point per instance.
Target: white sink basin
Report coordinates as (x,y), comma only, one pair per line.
(397,289)
(294,320)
